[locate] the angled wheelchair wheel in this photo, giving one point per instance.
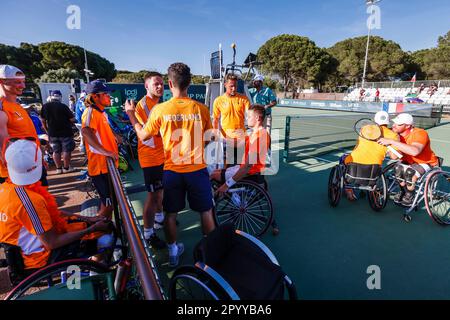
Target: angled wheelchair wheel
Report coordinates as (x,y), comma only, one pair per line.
(191,283)
(39,285)
(378,197)
(437,196)
(247,205)
(335,183)
(391,182)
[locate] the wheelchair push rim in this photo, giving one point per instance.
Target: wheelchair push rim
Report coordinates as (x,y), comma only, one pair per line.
(335,186)
(192,283)
(248,206)
(53,272)
(378,197)
(437,197)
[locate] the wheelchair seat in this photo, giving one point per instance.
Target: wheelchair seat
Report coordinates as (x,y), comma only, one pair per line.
(242,263)
(364,175)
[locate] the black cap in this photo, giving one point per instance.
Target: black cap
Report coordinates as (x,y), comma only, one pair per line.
(97,86)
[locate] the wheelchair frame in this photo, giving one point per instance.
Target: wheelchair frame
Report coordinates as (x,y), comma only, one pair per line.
(422,190)
(336,185)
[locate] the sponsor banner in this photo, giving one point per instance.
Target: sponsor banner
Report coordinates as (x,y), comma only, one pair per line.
(423,110)
(137,91)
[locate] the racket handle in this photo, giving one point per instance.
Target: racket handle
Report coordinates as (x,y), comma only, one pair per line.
(398,154)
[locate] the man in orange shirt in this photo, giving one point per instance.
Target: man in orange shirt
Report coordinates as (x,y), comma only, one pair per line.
(100,141)
(151,159)
(257,146)
(29,216)
(182,123)
(14,120)
(418,157)
(230,108)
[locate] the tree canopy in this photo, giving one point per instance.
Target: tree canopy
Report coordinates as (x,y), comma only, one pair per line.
(386,59)
(295,59)
(35,60)
(63,75)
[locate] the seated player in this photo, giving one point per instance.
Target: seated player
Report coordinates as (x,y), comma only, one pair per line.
(257,145)
(30,218)
(418,157)
(371,153)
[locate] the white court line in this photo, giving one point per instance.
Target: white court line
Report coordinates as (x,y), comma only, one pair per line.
(442,141)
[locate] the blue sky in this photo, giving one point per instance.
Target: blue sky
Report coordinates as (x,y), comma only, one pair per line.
(150,34)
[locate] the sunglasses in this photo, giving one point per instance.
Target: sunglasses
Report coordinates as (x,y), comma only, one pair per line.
(9,141)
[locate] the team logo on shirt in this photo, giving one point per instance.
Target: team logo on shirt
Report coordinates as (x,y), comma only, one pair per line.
(19,116)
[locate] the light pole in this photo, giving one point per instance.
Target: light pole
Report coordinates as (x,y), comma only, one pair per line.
(368,3)
(87,72)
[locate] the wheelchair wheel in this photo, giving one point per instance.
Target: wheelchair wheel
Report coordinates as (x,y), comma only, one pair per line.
(378,197)
(437,196)
(335,184)
(132,139)
(51,276)
(191,283)
(247,205)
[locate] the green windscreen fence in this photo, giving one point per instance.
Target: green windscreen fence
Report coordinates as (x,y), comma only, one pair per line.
(313,136)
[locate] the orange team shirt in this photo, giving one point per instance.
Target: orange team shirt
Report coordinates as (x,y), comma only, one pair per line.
(19,125)
(427,155)
(23,218)
(151,151)
(182,123)
(257,146)
(231,110)
(97,120)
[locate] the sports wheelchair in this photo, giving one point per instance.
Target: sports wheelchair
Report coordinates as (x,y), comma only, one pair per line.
(433,188)
(366,178)
(231,265)
(247,205)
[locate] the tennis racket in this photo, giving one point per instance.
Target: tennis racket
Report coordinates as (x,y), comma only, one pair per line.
(370,130)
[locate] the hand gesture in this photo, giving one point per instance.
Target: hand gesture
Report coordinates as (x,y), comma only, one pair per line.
(130,106)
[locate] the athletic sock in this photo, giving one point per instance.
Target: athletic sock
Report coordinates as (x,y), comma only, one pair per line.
(173,249)
(148,233)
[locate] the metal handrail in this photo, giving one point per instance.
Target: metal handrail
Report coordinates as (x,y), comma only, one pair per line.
(145,266)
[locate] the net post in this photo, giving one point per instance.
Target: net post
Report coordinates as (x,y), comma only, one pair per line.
(286,139)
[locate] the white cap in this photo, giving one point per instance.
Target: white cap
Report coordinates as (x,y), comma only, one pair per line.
(404,118)
(258,78)
(381,118)
(10,72)
(23,168)
(82,95)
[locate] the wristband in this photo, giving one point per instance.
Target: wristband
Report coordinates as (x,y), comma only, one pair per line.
(230,182)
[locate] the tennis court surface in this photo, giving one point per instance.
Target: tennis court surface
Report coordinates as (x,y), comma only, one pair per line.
(327,251)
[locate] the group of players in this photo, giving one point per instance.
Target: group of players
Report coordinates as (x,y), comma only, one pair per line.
(412,145)
(172,138)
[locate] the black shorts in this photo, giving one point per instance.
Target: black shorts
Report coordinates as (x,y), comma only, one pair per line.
(2,180)
(62,144)
(195,184)
(101,183)
(153,177)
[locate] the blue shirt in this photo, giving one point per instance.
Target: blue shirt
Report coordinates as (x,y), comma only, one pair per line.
(264,97)
(79,109)
(37,123)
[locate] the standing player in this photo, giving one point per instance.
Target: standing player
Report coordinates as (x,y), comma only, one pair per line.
(230,108)
(263,96)
(182,123)
(100,141)
(151,159)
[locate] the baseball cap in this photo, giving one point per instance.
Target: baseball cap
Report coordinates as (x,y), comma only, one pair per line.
(97,86)
(24,168)
(404,118)
(258,78)
(56,93)
(381,118)
(10,72)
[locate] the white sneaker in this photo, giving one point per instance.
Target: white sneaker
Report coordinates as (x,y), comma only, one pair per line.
(59,171)
(68,170)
